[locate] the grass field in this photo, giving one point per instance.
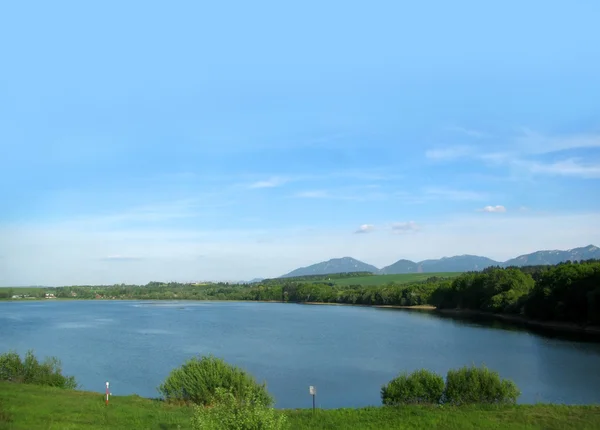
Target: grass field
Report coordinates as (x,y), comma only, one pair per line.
(29,407)
(376,280)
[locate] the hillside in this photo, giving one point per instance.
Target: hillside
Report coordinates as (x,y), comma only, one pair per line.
(554,257)
(459,263)
(400,267)
(335,265)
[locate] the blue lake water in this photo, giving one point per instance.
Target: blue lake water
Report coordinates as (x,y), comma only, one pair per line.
(347,352)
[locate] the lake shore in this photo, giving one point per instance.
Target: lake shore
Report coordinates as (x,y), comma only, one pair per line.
(417,307)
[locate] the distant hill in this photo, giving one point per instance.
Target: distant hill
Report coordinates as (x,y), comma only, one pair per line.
(335,265)
(400,266)
(460,263)
(554,257)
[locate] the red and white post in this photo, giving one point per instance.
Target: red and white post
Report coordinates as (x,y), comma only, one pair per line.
(107,393)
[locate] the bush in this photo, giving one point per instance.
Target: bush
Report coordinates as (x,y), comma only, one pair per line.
(230,413)
(478,385)
(421,386)
(197,381)
(31,371)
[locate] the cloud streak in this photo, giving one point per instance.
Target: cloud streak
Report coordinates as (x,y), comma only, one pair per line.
(532,142)
(571,167)
(524,152)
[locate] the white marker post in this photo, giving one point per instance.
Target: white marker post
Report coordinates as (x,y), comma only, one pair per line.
(313,392)
(107,393)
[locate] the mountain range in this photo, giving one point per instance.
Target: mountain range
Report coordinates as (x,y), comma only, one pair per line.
(459,263)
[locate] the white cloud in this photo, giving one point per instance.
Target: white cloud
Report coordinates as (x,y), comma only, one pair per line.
(365,228)
(269,183)
(494,209)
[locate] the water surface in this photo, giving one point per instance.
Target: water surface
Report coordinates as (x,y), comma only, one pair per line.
(347,352)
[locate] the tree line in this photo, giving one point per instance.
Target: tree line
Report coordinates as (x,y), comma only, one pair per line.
(567,292)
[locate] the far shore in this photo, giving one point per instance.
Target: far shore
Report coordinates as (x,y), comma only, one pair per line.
(421,307)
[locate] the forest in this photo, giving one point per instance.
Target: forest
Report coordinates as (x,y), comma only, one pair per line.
(568,292)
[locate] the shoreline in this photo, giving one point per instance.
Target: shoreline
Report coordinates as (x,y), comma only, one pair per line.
(416,307)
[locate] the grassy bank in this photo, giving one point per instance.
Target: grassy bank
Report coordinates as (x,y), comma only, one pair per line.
(31,407)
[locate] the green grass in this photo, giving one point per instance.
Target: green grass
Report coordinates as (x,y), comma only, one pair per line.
(463,418)
(406,278)
(31,407)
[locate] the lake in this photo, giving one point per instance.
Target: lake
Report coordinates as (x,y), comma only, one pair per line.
(347,352)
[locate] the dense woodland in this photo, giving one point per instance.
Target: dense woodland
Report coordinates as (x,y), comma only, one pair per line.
(567,292)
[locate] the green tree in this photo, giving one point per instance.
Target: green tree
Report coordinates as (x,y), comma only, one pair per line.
(421,386)
(229,413)
(197,381)
(478,385)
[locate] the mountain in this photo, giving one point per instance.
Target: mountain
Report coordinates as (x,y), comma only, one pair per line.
(335,265)
(460,263)
(400,266)
(555,256)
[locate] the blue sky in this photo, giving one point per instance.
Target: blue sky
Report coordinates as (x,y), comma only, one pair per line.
(188,141)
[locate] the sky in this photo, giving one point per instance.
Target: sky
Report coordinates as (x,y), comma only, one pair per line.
(185,141)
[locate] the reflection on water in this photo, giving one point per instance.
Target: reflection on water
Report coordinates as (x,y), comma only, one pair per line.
(494,323)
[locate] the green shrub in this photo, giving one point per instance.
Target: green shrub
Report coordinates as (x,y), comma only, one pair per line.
(230,413)
(421,386)
(478,385)
(31,371)
(197,381)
